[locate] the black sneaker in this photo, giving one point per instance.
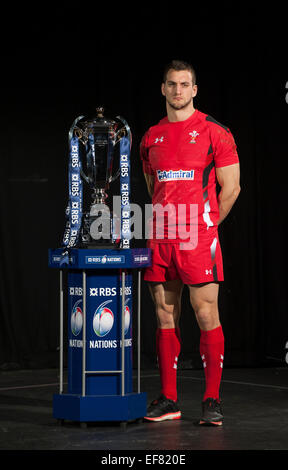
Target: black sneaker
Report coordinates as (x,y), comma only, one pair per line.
(163,409)
(211,412)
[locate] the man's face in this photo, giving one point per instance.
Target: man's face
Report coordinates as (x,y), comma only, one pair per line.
(179,89)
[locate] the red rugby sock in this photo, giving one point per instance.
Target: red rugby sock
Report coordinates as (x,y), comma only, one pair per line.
(212,354)
(168,346)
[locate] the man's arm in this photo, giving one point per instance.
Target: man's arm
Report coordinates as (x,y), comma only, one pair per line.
(150,183)
(229,179)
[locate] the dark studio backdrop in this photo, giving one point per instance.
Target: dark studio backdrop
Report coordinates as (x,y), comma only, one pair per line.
(47,83)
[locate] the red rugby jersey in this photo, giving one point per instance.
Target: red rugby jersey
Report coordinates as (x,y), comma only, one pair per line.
(182,157)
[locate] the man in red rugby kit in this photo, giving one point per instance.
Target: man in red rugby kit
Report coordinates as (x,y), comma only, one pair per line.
(183,157)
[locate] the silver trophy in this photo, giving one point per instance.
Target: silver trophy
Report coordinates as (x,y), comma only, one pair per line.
(98,137)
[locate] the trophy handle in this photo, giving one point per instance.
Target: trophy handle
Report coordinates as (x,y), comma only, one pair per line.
(73,127)
(71,131)
(127,128)
(118,137)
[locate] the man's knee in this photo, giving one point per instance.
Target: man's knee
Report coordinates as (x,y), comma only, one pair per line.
(205,311)
(167,301)
(207,314)
(204,301)
(165,315)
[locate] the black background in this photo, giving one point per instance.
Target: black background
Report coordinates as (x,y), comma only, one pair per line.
(57,66)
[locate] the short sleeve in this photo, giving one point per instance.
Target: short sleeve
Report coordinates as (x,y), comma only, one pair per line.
(224,147)
(144,154)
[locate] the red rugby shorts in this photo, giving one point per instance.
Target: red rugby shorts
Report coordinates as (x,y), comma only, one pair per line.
(171,261)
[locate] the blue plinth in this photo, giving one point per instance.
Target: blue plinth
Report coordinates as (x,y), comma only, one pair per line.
(100,387)
(99,408)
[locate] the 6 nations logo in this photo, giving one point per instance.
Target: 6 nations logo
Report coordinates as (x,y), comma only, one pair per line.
(103,319)
(102,324)
(76,318)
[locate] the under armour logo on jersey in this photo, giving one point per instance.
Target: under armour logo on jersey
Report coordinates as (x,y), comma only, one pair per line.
(175,363)
(208,271)
(159,139)
(193,134)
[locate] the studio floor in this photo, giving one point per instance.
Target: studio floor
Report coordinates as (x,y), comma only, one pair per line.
(255,406)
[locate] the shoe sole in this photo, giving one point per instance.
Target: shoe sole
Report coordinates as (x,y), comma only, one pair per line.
(167,416)
(211,423)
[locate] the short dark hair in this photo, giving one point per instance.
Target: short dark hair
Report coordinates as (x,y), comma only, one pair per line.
(179,65)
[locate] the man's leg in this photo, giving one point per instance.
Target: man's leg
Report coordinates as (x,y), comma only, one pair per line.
(204,300)
(167,300)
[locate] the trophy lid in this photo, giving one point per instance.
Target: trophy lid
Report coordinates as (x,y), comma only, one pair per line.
(99,122)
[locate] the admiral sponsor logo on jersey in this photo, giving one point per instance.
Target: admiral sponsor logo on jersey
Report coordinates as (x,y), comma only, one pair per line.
(175,175)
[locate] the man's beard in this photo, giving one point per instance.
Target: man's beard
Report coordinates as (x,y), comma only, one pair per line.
(179,106)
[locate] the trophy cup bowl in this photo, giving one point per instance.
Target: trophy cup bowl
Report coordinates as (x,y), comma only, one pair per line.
(98,136)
